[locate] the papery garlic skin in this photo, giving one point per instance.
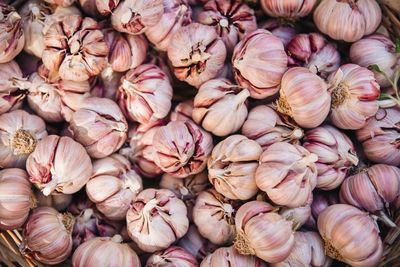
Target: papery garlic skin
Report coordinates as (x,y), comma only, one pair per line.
(164,215)
(257,66)
(63,3)
(378,50)
(75,48)
(262,232)
(232,167)
(181,148)
(283,32)
(213,215)
(105,251)
(113,186)
(12,87)
(290,9)
(177,13)
(197,54)
(308,250)
(336,155)
(304,96)
(136,16)
(11,33)
(220,106)
(19,135)
(380,137)
(347,20)
(99,126)
(145,94)
(228,256)
(231,19)
(172,256)
(183,111)
(59,164)
(47,235)
(16,198)
(350,235)
(266,126)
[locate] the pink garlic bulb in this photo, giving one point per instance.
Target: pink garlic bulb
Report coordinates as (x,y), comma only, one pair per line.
(380,137)
(99,126)
(287,168)
(263,232)
(299,215)
(47,235)
(58,201)
(350,235)
(231,19)
(16,198)
(75,48)
(172,256)
(105,251)
(257,66)
(113,186)
(197,54)
(63,3)
(11,33)
(378,50)
(354,93)
(347,20)
(183,111)
(214,216)
(304,96)
(321,200)
(336,155)
(136,16)
(282,31)
(177,13)
(289,9)
(228,256)
(266,126)
(181,148)
(19,135)
(308,250)
(313,52)
(163,215)
(220,106)
(145,94)
(232,167)
(125,51)
(59,164)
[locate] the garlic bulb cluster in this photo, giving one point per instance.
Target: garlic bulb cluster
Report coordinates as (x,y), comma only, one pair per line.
(228,256)
(11,33)
(289,9)
(172,256)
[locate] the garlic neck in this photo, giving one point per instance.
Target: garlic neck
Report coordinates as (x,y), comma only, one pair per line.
(23,142)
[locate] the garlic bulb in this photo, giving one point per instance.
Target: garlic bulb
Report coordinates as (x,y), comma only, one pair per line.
(11,33)
(177,13)
(282,31)
(321,200)
(136,16)
(105,251)
(289,9)
(231,19)
(287,168)
(220,106)
(266,126)
(145,94)
(259,61)
(304,97)
(183,111)
(197,54)
(156,219)
(75,48)
(213,215)
(380,137)
(59,164)
(308,250)
(172,256)
(232,167)
(13,87)
(313,52)
(99,126)
(350,235)
(228,256)
(347,20)
(113,186)
(378,50)
(16,198)
(262,232)
(19,134)
(63,3)
(47,235)
(56,200)
(181,148)
(336,155)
